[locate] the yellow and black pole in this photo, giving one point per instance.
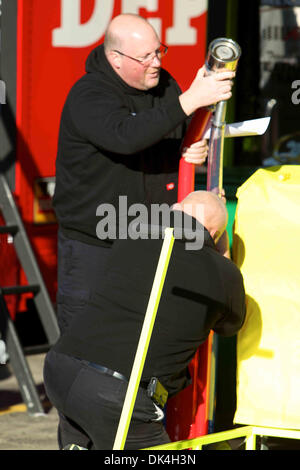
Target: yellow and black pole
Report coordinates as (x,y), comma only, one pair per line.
(145,336)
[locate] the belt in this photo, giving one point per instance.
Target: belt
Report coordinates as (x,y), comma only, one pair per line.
(107,371)
(115,374)
(154,388)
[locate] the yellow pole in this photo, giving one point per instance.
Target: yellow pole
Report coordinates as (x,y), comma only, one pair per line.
(144,340)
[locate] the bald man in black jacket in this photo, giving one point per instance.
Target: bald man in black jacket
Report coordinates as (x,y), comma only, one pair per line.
(87,371)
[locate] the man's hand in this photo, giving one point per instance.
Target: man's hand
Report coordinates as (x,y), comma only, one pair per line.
(196,153)
(223,196)
(206,90)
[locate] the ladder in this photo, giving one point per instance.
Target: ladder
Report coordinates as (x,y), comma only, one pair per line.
(14,227)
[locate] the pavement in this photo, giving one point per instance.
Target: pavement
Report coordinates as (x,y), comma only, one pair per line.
(18,429)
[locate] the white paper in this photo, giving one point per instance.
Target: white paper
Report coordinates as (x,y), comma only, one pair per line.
(244,128)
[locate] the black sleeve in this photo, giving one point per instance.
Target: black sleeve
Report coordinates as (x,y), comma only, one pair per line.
(234,316)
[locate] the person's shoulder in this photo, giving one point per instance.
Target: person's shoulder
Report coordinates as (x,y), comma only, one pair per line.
(91,86)
(82,83)
(227,267)
(90,80)
(129,257)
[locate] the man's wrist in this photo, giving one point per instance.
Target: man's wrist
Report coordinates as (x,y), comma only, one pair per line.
(187,103)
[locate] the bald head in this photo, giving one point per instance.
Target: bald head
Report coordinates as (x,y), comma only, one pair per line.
(125,29)
(128,41)
(208,209)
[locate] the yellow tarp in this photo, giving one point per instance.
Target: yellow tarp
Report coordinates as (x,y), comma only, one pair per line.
(266,247)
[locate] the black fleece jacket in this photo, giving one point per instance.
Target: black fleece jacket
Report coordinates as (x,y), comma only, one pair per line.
(115,140)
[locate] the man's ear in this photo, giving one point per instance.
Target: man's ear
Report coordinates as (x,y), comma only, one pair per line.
(115,59)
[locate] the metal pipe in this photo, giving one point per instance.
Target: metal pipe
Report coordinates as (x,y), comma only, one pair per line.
(223,54)
(216,150)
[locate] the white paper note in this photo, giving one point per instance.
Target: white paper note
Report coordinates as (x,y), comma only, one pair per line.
(244,128)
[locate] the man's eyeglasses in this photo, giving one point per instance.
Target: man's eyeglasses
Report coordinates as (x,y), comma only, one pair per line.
(148,59)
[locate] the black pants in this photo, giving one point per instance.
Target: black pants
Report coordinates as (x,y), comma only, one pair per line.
(81,270)
(91,403)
